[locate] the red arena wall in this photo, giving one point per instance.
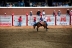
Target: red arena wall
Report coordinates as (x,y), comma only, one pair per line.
(24,10)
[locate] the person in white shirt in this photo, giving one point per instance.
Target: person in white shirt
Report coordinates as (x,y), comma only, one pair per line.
(43,13)
(31,13)
(30,4)
(59,12)
(45,20)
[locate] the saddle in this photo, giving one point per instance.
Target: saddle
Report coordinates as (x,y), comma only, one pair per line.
(41,22)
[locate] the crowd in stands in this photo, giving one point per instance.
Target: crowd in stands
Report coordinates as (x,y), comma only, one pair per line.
(12,4)
(22,4)
(32,4)
(61,4)
(38,4)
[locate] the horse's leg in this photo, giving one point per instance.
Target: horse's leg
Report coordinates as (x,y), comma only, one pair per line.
(33,26)
(37,28)
(46,27)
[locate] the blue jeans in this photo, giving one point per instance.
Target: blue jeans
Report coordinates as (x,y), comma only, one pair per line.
(19,24)
(34,22)
(46,23)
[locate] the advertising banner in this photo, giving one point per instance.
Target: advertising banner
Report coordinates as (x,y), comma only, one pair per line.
(63,20)
(5,20)
(50,20)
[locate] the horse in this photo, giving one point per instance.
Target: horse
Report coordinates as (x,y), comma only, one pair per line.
(39,24)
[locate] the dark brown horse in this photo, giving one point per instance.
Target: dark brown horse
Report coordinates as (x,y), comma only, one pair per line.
(39,24)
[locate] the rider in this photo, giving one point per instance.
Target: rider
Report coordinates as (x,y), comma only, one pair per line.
(41,19)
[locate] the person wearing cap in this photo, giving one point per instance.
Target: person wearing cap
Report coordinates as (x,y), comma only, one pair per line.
(5,14)
(20,21)
(43,13)
(68,12)
(31,13)
(38,12)
(54,13)
(31,16)
(59,13)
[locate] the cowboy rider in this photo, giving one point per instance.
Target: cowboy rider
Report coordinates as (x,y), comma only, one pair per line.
(43,19)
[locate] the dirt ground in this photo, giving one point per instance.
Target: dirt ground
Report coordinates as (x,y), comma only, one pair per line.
(27,37)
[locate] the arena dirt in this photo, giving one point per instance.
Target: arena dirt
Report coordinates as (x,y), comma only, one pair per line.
(20,37)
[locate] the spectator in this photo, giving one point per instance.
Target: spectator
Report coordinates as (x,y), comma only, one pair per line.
(53,3)
(68,12)
(13,5)
(59,13)
(66,4)
(38,12)
(56,4)
(20,21)
(63,4)
(10,5)
(7,4)
(42,4)
(43,13)
(31,13)
(19,3)
(60,3)
(31,4)
(54,13)
(31,18)
(22,4)
(71,13)
(2,3)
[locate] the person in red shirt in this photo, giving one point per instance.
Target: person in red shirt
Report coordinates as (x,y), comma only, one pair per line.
(54,13)
(71,13)
(20,21)
(34,20)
